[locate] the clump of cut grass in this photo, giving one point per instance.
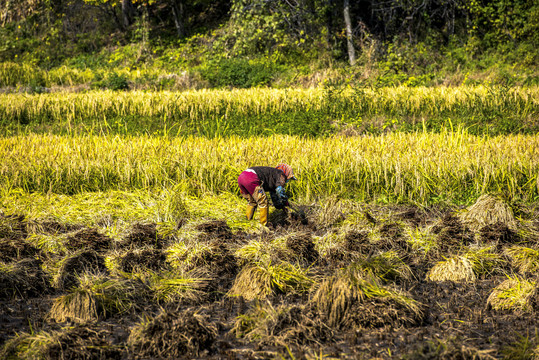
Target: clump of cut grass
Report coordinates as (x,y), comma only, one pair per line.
(177,286)
(352,298)
(331,212)
(77,264)
(473,263)
(488,209)
(456,268)
(422,239)
(484,260)
(261,280)
(182,255)
(82,341)
(525,259)
(23,279)
(280,325)
(387,266)
(172,334)
(97,297)
(514,294)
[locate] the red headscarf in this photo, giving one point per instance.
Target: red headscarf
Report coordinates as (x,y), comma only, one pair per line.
(287,170)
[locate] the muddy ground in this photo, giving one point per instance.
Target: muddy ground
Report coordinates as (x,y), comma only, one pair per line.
(455,321)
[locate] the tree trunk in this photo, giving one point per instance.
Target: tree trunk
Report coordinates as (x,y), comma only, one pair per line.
(349,42)
(178,12)
(127,12)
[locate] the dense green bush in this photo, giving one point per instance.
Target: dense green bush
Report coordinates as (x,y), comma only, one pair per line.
(240,73)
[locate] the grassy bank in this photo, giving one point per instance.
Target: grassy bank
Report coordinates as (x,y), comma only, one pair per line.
(398,167)
(262,112)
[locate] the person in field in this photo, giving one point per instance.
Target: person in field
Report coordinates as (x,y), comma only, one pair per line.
(256,180)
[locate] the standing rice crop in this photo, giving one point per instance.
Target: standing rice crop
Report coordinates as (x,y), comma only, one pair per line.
(419,167)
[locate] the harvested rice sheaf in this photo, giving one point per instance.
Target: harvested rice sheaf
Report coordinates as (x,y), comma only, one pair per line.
(352,299)
(172,335)
(152,259)
(88,239)
(457,268)
(215,229)
(85,341)
(525,259)
(473,263)
(302,247)
(98,297)
(515,294)
(488,209)
(13,233)
(13,227)
(262,280)
(281,325)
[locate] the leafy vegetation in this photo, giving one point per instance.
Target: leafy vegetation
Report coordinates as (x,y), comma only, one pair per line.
(262,112)
(242,44)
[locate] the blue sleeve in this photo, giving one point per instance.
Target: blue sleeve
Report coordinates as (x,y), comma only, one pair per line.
(280,191)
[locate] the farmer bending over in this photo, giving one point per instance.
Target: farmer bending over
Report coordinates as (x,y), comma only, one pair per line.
(255,181)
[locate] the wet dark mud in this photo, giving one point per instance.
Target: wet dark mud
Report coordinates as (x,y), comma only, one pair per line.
(499,235)
(142,235)
(215,229)
(88,239)
(302,248)
(152,259)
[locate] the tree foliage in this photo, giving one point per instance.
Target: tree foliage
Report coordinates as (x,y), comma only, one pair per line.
(48,31)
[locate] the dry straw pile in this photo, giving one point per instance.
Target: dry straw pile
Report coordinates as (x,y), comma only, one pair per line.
(514,294)
(488,209)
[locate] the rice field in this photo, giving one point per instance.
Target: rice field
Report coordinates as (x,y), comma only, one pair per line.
(310,112)
(416,240)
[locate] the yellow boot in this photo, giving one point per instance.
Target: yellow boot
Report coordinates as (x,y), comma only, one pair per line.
(264,215)
(250,212)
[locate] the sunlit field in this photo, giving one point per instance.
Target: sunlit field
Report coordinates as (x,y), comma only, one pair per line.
(413,231)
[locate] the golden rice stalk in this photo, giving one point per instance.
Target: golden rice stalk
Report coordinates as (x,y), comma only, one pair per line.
(337,295)
(457,268)
(488,209)
(262,280)
(79,306)
(176,286)
(515,294)
(525,259)
(484,260)
(96,297)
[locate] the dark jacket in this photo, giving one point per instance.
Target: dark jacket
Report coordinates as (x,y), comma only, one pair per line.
(270,177)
